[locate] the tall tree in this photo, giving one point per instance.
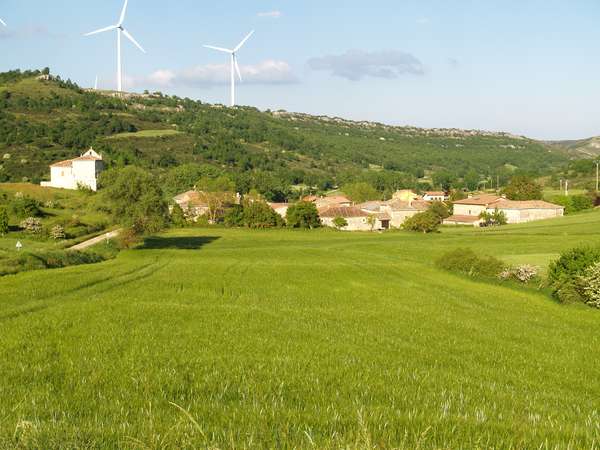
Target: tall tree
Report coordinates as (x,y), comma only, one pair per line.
(523,188)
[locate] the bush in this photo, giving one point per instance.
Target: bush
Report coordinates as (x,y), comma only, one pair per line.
(22,207)
(303,215)
(523,188)
(4,228)
(524,273)
(259,214)
(565,273)
(234,216)
(574,203)
(340,222)
(32,225)
(440,209)
(425,222)
(467,262)
(497,218)
(589,285)
(57,232)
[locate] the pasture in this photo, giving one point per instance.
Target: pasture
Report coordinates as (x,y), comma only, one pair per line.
(211,338)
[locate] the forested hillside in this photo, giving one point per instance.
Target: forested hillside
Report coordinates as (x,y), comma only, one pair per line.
(44,119)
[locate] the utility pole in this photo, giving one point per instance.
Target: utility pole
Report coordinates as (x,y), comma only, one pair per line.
(561,185)
(597,175)
(567,188)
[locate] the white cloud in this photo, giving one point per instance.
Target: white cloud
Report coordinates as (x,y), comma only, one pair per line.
(423,21)
(270,14)
(355,65)
(266,72)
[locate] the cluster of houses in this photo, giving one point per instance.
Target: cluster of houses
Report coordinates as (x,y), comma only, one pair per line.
(374,215)
(383,215)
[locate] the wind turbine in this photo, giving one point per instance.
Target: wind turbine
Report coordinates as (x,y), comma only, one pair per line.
(120,30)
(234,64)
(96,83)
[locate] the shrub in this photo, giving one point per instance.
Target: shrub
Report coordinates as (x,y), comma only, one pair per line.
(574,203)
(565,273)
(425,222)
(57,232)
(234,216)
(4,228)
(523,188)
(589,285)
(439,209)
(259,214)
(467,262)
(339,222)
(23,207)
(524,273)
(178,218)
(32,225)
(303,215)
(497,218)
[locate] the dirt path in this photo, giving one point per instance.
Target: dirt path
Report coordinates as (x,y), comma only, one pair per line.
(91,242)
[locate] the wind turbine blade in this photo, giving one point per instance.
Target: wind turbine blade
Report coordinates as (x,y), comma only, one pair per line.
(2,22)
(130,37)
(241,44)
(123,11)
(102,30)
(219,49)
(237,68)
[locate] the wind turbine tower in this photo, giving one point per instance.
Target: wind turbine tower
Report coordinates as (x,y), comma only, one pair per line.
(234,63)
(120,31)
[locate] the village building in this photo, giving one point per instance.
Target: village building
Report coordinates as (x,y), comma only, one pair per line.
(81,172)
(403,205)
(280,208)
(193,204)
(469,210)
(357,219)
(435,196)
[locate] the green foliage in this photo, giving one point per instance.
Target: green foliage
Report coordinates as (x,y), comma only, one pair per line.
(57,232)
(472,180)
(22,206)
(303,215)
(259,214)
(135,200)
(574,203)
(589,285)
(523,188)
(465,261)
(4,228)
(440,210)
(425,222)
(178,218)
(564,273)
(361,192)
(496,218)
(340,222)
(234,217)
(219,184)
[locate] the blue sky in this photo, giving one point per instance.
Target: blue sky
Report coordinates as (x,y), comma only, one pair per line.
(529,67)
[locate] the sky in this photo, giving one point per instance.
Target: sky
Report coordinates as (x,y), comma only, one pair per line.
(528,67)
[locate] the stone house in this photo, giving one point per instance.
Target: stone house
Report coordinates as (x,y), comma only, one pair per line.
(357,218)
(468,211)
(435,196)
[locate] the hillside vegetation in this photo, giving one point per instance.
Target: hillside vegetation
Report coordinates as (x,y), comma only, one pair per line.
(45,120)
(280,339)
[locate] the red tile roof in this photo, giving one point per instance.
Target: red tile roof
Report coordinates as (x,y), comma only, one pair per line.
(479,200)
(462,219)
(528,204)
(415,205)
(342,211)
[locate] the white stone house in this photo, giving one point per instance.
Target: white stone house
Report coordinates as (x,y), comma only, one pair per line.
(357,219)
(77,172)
(467,211)
(397,210)
(280,208)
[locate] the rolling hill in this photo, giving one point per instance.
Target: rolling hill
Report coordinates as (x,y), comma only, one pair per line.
(44,119)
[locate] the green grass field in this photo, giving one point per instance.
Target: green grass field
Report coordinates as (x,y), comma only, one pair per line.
(210,338)
(146,134)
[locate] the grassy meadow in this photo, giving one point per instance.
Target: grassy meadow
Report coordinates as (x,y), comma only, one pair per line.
(211,338)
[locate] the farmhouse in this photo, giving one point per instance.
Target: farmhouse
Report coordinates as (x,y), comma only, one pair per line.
(76,173)
(405,204)
(331,200)
(467,211)
(357,219)
(193,204)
